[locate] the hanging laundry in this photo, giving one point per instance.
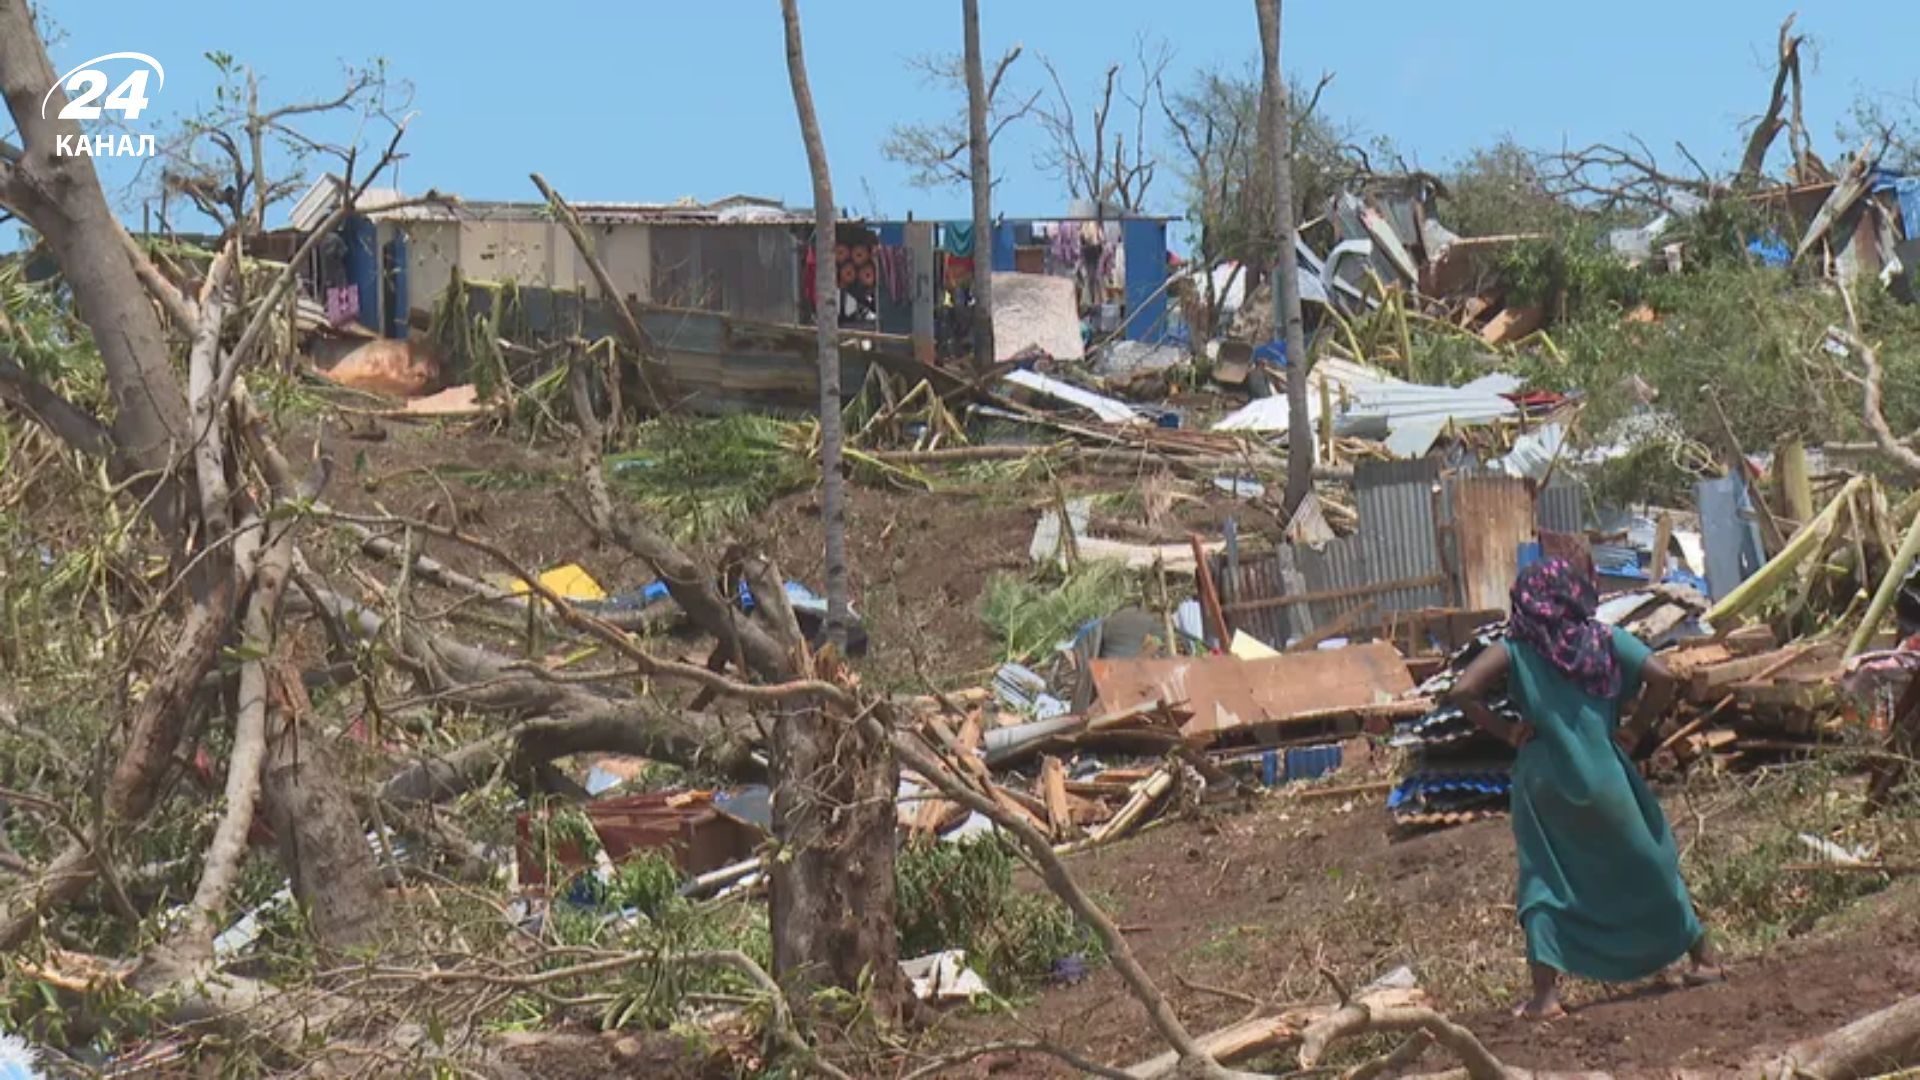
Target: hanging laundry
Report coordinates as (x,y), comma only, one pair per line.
(959,271)
(1066,250)
(896,272)
(958,239)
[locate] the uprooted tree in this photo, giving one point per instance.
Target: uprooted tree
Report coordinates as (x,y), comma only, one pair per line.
(197,467)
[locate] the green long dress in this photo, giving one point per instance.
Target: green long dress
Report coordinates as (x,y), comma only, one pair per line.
(1600,894)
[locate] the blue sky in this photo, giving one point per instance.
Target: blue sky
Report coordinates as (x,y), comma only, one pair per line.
(653,100)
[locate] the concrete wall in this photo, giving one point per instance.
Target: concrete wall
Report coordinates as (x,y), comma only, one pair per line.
(529,252)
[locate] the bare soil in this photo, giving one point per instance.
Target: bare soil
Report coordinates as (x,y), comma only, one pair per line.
(1245,908)
(1223,911)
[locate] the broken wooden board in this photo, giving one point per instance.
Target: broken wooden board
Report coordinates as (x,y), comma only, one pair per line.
(1052,785)
(1225,692)
(1712,680)
(1512,325)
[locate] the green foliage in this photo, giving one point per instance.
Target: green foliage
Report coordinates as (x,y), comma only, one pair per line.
(704,476)
(962,896)
(1570,272)
(1032,615)
(1655,473)
(40,330)
(1751,898)
(1497,191)
(648,881)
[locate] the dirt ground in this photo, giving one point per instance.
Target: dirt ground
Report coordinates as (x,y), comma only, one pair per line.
(1232,908)
(919,561)
(1247,906)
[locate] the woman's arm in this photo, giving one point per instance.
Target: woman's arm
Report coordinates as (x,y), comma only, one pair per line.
(1657,686)
(1470,691)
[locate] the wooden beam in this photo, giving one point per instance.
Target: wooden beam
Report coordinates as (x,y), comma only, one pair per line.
(1335,594)
(1662,539)
(1052,785)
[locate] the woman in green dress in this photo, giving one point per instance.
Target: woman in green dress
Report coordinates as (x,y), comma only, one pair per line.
(1600,894)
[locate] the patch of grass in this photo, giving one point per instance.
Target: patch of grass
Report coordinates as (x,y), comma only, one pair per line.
(502,479)
(1031,615)
(1235,942)
(1753,900)
(962,896)
(704,476)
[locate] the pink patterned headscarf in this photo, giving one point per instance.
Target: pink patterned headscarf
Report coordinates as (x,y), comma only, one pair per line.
(1553,606)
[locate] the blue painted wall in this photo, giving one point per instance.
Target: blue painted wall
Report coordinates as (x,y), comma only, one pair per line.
(1003,247)
(363,266)
(1146,251)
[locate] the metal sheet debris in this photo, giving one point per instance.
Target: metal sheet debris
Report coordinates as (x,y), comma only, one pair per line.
(1224,692)
(1112,410)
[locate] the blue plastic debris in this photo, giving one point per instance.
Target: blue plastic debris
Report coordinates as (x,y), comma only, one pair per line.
(17,1059)
(1771,250)
(1069,970)
(1273,352)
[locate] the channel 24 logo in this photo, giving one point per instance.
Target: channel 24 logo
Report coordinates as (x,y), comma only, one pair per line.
(88,99)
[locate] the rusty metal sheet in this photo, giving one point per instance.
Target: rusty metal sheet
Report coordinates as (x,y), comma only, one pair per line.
(1493,516)
(1225,692)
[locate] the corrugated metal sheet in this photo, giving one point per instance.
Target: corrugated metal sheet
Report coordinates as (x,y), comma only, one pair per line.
(750,273)
(1493,516)
(717,364)
(1397,542)
(1562,508)
(1396,502)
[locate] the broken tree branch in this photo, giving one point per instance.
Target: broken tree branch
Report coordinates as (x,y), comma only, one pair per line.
(646,354)
(1873,404)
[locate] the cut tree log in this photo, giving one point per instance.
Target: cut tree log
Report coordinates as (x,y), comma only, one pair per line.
(1260,1034)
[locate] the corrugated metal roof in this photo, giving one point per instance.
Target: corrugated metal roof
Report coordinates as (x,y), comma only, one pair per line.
(594,213)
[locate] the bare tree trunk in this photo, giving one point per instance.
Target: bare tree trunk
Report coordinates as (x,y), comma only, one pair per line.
(978,165)
(831,902)
(1286,268)
(61,198)
(826,321)
(323,848)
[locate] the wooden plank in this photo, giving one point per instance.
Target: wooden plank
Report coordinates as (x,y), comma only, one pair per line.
(1052,785)
(1097,789)
(1209,596)
(1225,691)
(1662,539)
(1708,681)
(1334,629)
(1355,592)
(1796,486)
(1512,325)
(1684,661)
(919,236)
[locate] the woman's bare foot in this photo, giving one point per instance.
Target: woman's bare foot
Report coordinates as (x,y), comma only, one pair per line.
(1704,975)
(1539,1010)
(1705,969)
(1545,1003)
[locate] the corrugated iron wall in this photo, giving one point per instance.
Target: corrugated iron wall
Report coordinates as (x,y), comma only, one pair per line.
(1397,543)
(1397,503)
(747,271)
(1440,539)
(1562,507)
